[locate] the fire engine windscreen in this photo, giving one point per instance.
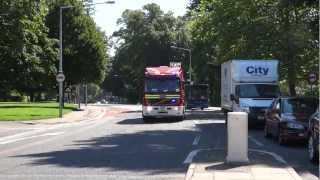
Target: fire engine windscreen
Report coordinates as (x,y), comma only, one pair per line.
(257,91)
(154,85)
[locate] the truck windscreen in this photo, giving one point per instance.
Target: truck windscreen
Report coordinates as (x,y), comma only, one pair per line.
(162,85)
(257,91)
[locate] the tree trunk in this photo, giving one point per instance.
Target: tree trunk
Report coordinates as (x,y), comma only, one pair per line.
(31,97)
(291,75)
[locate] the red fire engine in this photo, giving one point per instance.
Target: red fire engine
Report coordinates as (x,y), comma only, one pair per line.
(164,93)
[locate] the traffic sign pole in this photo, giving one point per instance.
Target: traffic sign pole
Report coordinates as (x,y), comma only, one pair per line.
(60,98)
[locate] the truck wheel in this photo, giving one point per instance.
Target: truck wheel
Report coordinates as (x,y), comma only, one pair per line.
(313,155)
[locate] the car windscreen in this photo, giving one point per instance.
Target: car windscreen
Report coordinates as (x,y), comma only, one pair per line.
(299,105)
(257,91)
(155,85)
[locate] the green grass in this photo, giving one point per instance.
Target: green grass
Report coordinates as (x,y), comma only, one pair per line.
(15,111)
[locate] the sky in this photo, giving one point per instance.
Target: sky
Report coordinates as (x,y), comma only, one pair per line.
(106,15)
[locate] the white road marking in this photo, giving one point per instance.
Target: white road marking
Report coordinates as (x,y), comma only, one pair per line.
(30,137)
(190,156)
(196,140)
(254,140)
(196,122)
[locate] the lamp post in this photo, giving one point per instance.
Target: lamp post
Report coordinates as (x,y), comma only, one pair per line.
(60,76)
(190,66)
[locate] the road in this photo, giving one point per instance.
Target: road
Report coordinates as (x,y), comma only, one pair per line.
(121,146)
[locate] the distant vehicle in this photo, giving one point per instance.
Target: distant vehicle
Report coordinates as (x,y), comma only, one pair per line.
(164,93)
(251,84)
(197,96)
(287,118)
(313,137)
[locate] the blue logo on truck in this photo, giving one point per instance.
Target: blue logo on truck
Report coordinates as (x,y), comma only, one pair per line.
(257,71)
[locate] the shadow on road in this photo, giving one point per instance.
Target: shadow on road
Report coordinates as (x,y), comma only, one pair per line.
(155,151)
(198,114)
(153,121)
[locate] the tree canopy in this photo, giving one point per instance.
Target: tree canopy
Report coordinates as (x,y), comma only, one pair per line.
(29,46)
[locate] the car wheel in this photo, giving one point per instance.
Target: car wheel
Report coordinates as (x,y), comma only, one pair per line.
(266,131)
(281,140)
(313,156)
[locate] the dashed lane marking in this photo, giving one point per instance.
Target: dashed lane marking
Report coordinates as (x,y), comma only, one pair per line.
(255,141)
(190,156)
(196,140)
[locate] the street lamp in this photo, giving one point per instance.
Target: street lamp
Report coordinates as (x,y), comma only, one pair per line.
(189,51)
(60,76)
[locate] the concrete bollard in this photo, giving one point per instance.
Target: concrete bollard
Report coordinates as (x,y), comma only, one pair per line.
(237,137)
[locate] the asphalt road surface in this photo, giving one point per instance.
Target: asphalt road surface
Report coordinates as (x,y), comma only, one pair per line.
(123,147)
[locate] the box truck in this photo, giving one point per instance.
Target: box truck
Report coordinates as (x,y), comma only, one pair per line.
(251,85)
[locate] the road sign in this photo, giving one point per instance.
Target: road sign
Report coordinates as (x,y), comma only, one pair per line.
(60,77)
(312,77)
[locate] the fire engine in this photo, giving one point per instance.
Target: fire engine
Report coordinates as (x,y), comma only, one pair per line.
(164,93)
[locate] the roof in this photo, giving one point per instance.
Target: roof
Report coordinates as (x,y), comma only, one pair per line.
(163,70)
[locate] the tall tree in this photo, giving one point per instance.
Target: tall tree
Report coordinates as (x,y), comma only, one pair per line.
(281,29)
(84,44)
(144,40)
(26,52)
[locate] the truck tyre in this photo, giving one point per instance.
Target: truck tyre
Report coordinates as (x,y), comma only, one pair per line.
(313,155)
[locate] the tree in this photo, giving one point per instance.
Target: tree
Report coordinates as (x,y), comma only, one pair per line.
(26,51)
(144,40)
(84,44)
(281,29)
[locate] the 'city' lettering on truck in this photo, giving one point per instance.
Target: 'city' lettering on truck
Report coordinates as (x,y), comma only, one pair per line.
(164,93)
(253,84)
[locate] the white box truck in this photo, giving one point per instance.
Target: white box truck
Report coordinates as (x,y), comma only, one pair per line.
(252,83)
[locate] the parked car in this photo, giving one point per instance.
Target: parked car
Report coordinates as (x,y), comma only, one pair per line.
(287,118)
(313,137)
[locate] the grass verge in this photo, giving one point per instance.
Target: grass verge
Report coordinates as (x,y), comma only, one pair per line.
(16,111)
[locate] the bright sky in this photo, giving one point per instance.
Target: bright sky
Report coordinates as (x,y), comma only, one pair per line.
(106,15)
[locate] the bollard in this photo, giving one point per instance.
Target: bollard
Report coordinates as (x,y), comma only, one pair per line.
(237,137)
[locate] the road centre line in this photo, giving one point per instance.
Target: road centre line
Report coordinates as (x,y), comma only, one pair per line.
(196,140)
(255,141)
(30,137)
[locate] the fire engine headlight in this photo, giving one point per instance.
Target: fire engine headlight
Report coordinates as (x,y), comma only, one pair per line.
(149,108)
(176,108)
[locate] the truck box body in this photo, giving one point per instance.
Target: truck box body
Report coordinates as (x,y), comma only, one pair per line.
(254,82)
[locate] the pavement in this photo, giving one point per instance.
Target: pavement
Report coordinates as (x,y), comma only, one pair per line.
(210,164)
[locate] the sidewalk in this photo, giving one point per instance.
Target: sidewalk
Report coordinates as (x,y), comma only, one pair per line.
(210,165)
(86,113)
